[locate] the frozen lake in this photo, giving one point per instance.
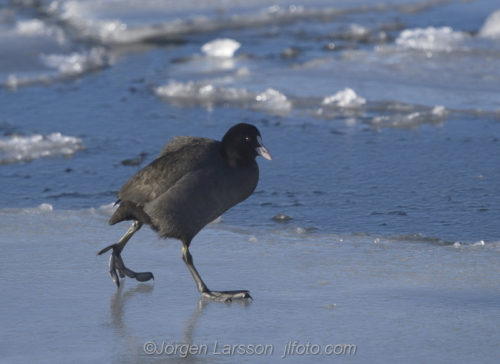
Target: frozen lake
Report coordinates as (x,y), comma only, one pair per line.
(388,297)
(383,122)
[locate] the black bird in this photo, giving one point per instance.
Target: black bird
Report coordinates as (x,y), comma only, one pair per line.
(192,182)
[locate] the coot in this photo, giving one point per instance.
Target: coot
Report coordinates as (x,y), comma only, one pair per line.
(192,182)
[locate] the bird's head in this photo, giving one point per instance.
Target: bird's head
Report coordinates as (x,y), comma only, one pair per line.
(242,143)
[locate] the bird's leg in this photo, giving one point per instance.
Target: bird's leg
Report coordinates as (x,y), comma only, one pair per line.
(116,261)
(202,287)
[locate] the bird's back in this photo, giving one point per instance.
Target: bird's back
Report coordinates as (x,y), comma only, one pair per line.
(186,187)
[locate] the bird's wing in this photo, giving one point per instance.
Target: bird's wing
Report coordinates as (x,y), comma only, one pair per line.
(181,156)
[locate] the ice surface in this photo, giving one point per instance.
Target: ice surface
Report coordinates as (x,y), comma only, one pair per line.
(411,120)
(77,63)
(322,289)
(393,243)
(105,22)
(208,95)
(38,28)
(21,43)
(223,48)
(363,55)
(133,22)
(43,208)
(491,27)
(67,66)
(83,19)
(39,48)
(16,149)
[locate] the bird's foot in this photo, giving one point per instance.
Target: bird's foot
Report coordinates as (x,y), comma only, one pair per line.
(226,296)
(116,265)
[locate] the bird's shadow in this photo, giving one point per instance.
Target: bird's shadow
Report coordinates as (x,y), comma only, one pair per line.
(118,307)
(119,298)
(191,324)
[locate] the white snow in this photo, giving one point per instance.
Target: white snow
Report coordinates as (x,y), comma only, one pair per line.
(429,39)
(439,111)
(272,100)
(411,120)
(77,63)
(491,27)
(345,98)
(269,100)
(17,149)
(223,48)
(31,27)
(114,21)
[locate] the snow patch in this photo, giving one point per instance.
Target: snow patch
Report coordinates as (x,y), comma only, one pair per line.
(45,207)
(344,98)
(16,149)
(77,63)
(431,39)
(411,120)
(270,100)
(491,27)
(31,27)
(222,48)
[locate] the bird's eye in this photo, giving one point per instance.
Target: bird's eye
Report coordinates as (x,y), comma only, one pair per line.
(248,139)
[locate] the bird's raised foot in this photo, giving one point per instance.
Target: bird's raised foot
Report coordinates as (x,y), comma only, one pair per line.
(118,268)
(226,296)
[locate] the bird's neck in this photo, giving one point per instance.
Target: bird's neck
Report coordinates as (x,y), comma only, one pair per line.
(234,159)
